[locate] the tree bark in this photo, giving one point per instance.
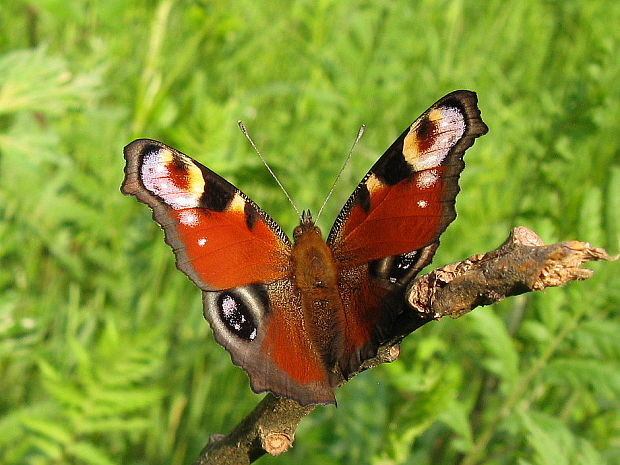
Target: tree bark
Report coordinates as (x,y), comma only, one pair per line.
(522,264)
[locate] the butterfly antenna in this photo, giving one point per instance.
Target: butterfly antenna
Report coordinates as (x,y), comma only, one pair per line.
(360,133)
(244,129)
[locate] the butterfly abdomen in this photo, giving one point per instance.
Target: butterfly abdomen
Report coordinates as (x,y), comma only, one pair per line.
(315,277)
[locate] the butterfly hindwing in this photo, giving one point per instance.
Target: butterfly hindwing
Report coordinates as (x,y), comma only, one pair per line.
(260,326)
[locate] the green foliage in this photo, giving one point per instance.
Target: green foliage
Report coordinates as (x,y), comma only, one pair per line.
(104,355)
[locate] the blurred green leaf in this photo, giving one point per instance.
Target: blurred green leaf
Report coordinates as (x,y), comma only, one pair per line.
(36,81)
(503,359)
(553,443)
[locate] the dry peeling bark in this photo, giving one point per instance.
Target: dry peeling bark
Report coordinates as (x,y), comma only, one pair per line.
(522,264)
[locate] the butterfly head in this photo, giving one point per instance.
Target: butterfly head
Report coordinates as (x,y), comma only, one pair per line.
(306,226)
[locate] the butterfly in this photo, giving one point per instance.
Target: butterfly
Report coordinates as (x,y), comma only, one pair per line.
(301,316)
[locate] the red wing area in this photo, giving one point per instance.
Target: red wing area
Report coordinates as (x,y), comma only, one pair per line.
(407,199)
(220,237)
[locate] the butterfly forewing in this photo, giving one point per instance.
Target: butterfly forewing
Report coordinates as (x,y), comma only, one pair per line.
(407,198)
(220,237)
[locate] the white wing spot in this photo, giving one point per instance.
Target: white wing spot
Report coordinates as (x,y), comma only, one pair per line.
(231,313)
(188,218)
(202,241)
(422,203)
(229,306)
(427,179)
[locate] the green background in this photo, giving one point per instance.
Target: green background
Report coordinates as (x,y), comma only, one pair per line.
(104,354)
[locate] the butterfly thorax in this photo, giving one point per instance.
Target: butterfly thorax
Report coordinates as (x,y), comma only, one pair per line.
(313,262)
(315,277)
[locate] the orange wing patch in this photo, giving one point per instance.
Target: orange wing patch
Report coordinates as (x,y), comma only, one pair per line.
(221,251)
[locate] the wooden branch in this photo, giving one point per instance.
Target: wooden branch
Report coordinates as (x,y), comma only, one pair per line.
(269,428)
(522,264)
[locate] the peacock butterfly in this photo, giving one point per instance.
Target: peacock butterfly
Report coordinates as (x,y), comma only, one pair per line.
(301,316)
